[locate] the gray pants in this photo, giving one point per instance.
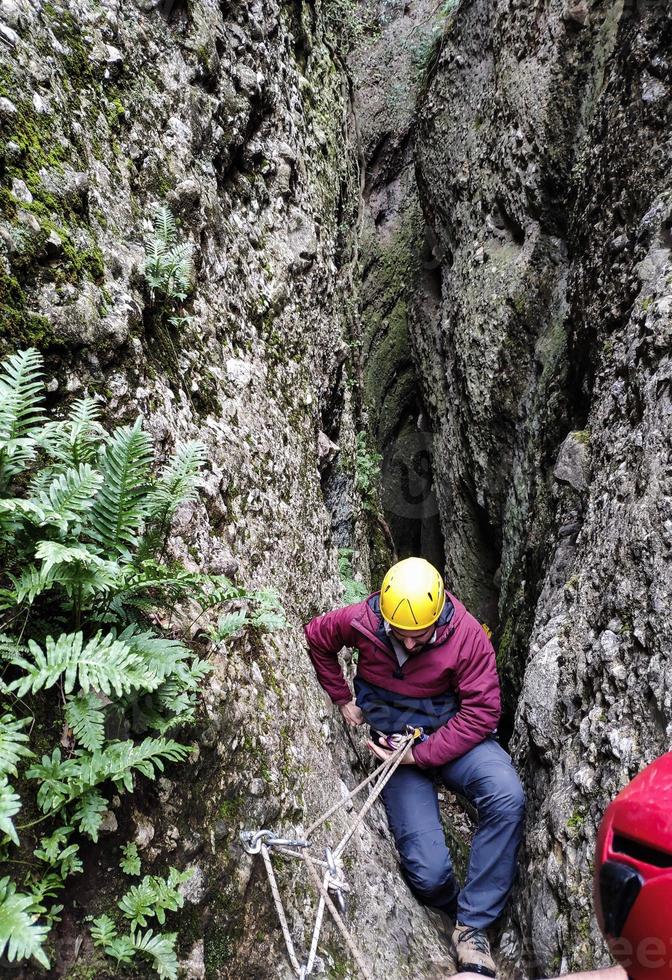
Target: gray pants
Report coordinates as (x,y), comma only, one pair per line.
(485,776)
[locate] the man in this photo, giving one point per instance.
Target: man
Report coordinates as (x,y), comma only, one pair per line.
(425,661)
(632,884)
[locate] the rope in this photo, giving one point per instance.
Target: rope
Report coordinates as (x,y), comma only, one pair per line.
(263,841)
(380,786)
(280,909)
(358,788)
(349,941)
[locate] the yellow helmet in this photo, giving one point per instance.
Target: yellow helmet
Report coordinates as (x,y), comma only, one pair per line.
(412,595)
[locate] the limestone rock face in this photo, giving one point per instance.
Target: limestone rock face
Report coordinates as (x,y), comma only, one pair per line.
(396,267)
(544,167)
(236,116)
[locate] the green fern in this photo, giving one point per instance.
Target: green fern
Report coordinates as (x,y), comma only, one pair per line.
(69,495)
(119,760)
(103,930)
(177,482)
(31,583)
(20,411)
(158,656)
(20,936)
(228,625)
(55,850)
(13,741)
(10,804)
(119,508)
(104,934)
(161,950)
(47,887)
(58,779)
(86,717)
(88,815)
(168,267)
(268,614)
(153,896)
(75,440)
(130,862)
(74,599)
(53,553)
(103,664)
(165,227)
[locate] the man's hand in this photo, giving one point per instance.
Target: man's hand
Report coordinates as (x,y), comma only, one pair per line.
(352,715)
(385,753)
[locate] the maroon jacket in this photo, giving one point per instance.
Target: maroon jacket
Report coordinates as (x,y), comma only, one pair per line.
(460,659)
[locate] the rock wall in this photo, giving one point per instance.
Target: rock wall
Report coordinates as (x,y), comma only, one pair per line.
(237,115)
(388,67)
(544,166)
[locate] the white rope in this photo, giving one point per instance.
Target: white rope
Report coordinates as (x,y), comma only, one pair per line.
(262,842)
(280,909)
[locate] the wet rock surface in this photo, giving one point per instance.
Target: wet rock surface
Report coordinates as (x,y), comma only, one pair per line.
(238,117)
(544,168)
(500,188)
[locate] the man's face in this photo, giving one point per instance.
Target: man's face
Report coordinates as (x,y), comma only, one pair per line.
(413,640)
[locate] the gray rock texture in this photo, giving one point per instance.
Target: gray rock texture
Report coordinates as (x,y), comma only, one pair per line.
(544,169)
(388,70)
(495,175)
(237,116)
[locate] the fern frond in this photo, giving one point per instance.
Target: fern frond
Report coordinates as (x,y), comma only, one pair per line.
(118,760)
(163,585)
(88,815)
(10,804)
(20,411)
(74,440)
(153,896)
(12,740)
(269,614)
(70,495)
(10,647)
(165,228)
(177,482)
(52,845)
(20,935)
(57,778)
(179,270)
(20,395)
(31,583)
(78,580)
(86,717)
(119,508)
(121,949)
(228,625)
(47,886)
(138,902)
(27,508)
(53,553)
(130,862)
(161,950)
(158,655)
(103,930)
(105,664)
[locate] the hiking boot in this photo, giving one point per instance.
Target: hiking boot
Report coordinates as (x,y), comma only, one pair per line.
(473,951)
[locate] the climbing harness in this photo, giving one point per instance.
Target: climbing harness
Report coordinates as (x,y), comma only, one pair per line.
(332,887)
(393,741)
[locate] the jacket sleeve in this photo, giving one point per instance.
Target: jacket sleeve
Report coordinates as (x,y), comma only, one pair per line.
(326,635)
(480,706)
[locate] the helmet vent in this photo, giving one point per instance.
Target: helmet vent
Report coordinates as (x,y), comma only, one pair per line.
(431,597)
(641,852)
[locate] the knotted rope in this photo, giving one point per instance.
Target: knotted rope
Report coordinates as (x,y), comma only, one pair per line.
(332,884)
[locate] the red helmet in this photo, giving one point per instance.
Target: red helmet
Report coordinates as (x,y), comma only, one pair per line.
(633,874)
